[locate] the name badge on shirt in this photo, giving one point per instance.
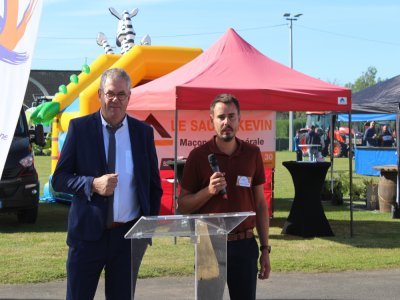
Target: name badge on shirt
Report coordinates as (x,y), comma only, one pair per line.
(243,181)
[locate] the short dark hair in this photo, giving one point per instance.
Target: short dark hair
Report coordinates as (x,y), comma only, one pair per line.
(115,73)
(226,99)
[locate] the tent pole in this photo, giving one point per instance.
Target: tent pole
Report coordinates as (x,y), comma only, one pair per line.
(175,202)
(396,209)
(350,155)
(332,133)
(176,163)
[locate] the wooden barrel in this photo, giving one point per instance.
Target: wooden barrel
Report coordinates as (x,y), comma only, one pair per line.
(387,190)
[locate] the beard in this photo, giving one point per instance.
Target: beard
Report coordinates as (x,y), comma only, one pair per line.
(227,137)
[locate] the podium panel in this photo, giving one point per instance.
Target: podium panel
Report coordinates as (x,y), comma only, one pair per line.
(208,233)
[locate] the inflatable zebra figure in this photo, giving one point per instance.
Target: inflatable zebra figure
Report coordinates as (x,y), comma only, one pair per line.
(102,41)
(125,33)
(146,40)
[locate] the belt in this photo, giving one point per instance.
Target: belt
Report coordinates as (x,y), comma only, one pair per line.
(248,234)
(114,225)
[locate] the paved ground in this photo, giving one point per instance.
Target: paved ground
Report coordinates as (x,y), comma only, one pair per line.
(371,285)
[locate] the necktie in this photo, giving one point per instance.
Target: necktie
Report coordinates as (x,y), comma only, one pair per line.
(111,154)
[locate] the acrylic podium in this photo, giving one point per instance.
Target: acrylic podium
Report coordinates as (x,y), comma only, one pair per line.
(208,233)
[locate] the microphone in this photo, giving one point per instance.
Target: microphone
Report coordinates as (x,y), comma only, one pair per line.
(215,168)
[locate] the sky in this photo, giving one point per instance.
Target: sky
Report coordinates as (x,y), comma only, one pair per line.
(333,40)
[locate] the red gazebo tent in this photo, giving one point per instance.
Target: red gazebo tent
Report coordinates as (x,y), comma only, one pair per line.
(231,65)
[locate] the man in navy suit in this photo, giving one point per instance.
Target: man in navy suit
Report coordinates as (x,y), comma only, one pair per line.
(107,200)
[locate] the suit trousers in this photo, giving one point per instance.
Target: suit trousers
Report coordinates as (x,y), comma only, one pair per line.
(87,259)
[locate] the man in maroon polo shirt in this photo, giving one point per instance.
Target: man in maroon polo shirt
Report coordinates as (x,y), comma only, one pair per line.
(242,176)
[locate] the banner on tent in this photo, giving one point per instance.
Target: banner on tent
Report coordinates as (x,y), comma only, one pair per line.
(195,129)
(18,29)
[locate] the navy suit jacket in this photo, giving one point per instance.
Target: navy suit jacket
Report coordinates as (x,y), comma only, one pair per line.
(83,158)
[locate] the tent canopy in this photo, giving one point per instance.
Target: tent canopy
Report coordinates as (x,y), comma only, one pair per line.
(367,117)
(383,97)
(233,66)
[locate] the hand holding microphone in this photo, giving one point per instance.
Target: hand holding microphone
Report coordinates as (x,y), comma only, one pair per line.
(217,180)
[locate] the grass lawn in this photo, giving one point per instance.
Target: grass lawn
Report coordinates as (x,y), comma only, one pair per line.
(37,253)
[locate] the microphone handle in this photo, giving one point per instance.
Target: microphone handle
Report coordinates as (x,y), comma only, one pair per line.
(215,168)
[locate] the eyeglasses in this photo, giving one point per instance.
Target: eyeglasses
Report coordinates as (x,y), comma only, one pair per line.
(111,96)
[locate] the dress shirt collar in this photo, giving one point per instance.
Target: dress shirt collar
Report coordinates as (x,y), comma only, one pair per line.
(104,122)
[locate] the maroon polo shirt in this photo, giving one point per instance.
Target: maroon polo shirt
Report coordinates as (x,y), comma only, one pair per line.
(243,170)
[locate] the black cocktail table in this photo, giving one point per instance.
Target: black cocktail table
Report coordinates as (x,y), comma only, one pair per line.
(307,217)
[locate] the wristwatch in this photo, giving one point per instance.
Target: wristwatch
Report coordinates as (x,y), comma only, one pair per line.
(265,247)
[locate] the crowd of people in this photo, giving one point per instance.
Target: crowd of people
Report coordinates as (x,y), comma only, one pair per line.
(316,144)
(373,138)
(314,141)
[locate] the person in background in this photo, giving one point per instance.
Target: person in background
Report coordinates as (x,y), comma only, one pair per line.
(242,175)
(109,164)
(386,137)
(326,142)
(370,137)
(313,138)
(319,132)
(394,137)
(299,153)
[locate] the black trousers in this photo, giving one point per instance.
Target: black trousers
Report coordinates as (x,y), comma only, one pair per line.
(299,155)
(242,270)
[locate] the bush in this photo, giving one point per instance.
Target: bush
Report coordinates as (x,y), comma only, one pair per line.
(341,187)
(367,182)
(282,144)
(357,189)
(282,127)
(46,149)
(336,197)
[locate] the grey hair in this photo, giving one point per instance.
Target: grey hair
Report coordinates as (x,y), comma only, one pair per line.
(115,73)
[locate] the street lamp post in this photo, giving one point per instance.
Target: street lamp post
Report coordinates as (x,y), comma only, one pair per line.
(291,19)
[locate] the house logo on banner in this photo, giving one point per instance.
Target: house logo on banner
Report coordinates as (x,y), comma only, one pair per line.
(166,137)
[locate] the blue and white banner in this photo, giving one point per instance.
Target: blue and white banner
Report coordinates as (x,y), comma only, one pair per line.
(19,23)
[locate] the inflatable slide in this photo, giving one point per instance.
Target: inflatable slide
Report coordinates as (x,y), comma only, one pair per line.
(79,97)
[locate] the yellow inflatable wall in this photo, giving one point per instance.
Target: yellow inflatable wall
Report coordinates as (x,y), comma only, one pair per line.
(141,63)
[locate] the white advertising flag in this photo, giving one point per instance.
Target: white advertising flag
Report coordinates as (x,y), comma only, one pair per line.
(19,22)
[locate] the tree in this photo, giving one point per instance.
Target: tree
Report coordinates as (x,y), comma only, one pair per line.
(367,79)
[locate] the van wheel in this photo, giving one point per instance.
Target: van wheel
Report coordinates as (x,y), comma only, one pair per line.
(28,216)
